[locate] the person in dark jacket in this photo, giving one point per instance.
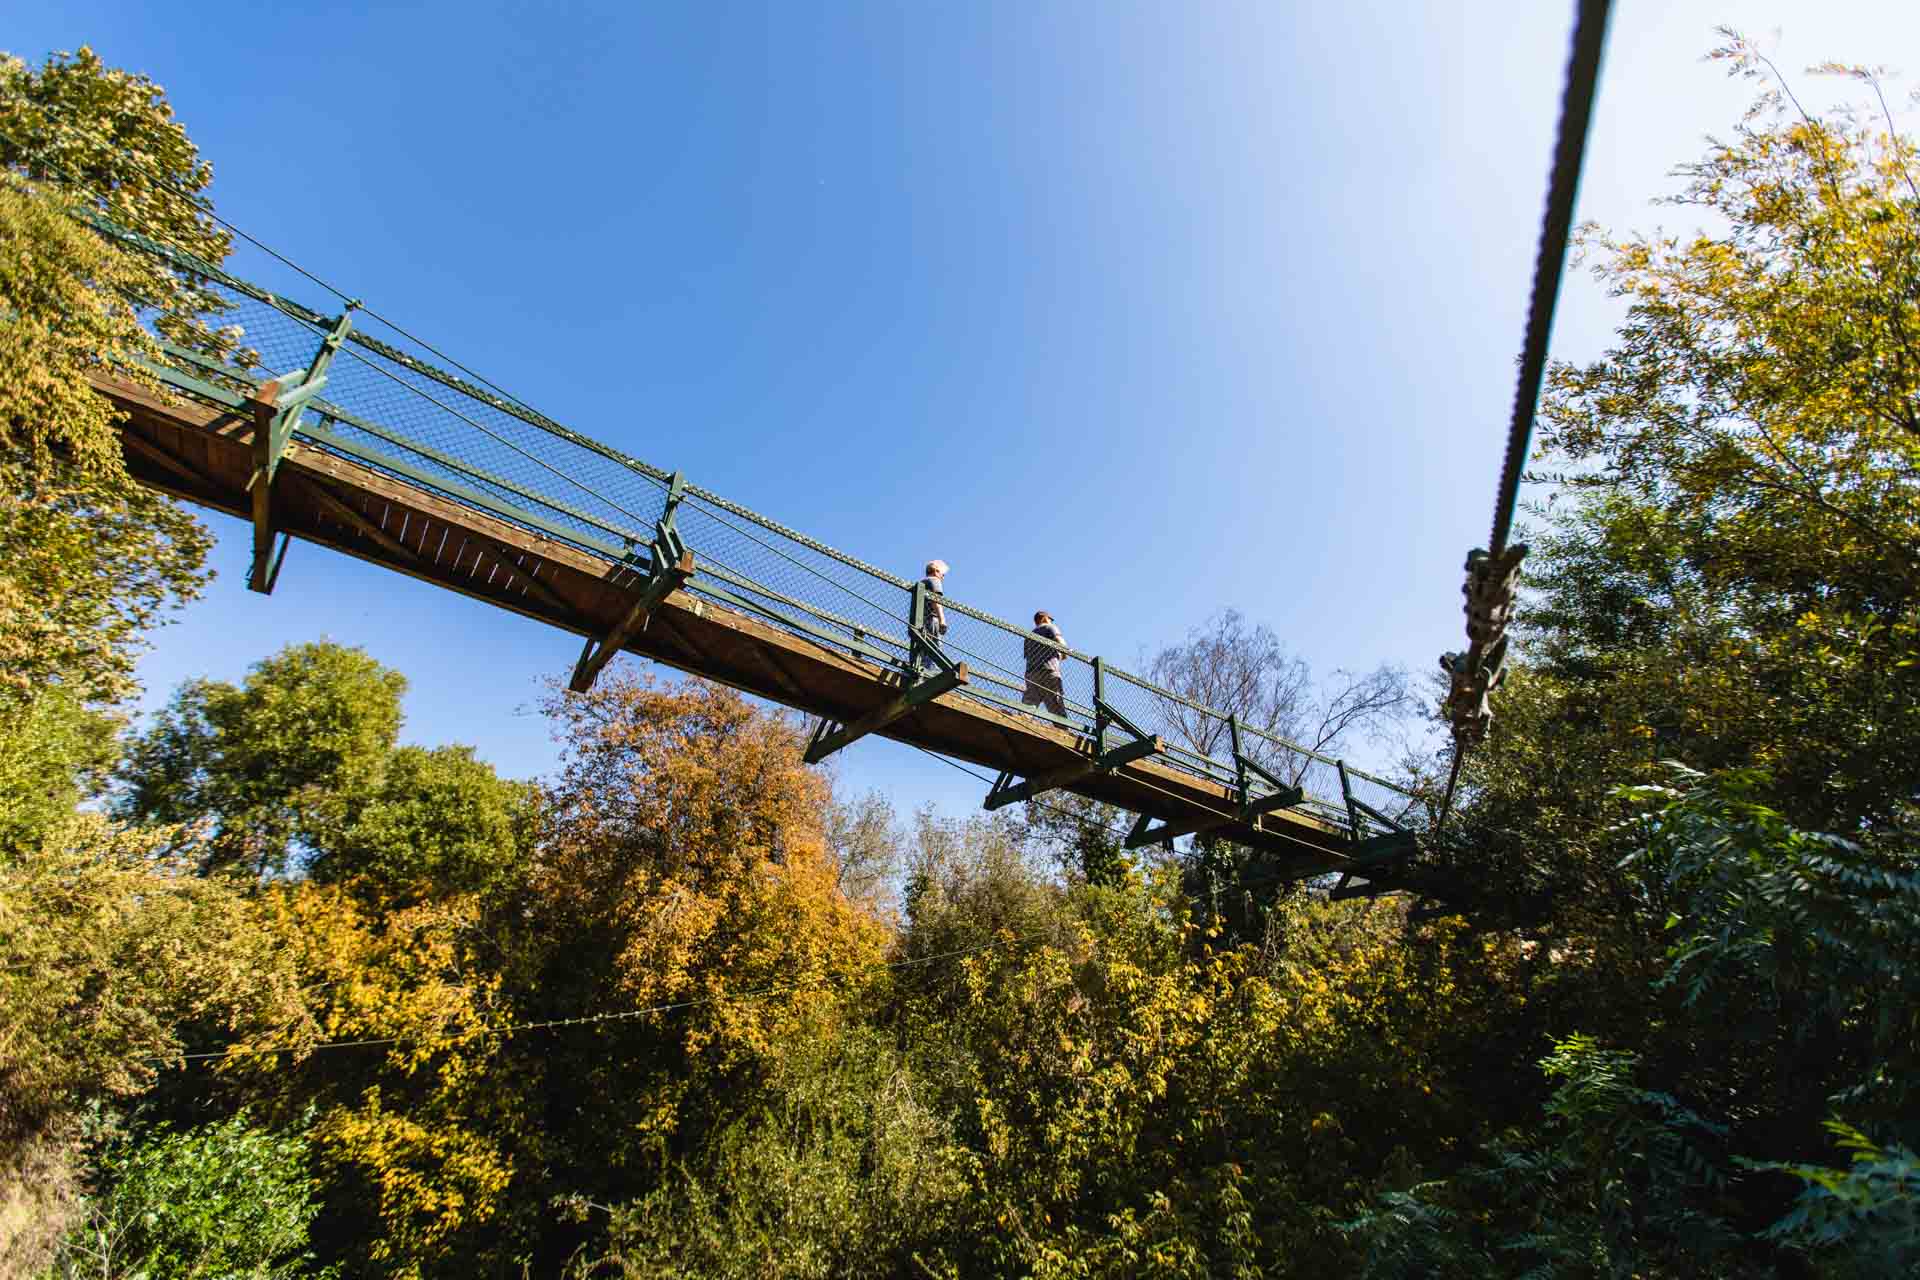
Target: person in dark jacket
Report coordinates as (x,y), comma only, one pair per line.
(935,623)
(1045,687)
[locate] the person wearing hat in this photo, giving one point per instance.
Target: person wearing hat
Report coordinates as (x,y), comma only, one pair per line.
(1045,687)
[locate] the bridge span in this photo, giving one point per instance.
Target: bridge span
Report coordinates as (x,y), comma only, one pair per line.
(309,427)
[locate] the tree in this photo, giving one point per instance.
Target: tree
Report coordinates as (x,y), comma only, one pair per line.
(418,1128)
(107,139)
(53,752)
(88,560)
(867,845)
(438,824)
(274,764)
(1243,670)
(116,958)
(1739,573)
(222,1199)
(684,902)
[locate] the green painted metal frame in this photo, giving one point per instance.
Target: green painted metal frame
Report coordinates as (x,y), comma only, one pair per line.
(930,673)
(1006,790)
(672,566)
(1098,759)
(276,407)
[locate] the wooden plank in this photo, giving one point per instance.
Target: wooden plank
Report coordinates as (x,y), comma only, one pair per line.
(155,454)
(355,521)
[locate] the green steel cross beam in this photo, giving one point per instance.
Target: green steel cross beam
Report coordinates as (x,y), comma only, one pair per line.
(827,740)
(1006,791)
(665,579)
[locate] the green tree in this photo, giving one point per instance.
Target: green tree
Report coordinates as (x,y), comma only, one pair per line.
(1727,576)
(439,823)
(1738,579)
(88,560)
(107,139)
(273,764)
(225,1199)
(113,959)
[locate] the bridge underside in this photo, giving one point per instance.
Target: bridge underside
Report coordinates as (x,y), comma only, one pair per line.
(206,455)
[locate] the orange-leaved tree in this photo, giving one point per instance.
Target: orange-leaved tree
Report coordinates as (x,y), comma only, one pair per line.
(683,898)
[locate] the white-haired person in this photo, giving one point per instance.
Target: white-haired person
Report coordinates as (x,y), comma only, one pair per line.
(935,621)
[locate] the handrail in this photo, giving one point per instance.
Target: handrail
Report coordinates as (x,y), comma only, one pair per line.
(982,639)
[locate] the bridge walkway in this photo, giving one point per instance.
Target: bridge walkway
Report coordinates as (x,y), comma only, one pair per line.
(310,428)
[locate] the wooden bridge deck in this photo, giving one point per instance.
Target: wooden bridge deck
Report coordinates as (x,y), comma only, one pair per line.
(205,454)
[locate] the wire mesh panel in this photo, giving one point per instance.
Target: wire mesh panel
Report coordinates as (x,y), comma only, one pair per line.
(385,405)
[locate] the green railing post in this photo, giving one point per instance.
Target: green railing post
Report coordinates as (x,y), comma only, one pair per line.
(916,619)
(1099,706)
(276,411)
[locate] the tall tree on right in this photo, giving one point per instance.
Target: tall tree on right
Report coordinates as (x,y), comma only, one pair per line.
(1730,572)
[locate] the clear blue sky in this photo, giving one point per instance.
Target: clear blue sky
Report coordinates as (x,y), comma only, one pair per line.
(1131,311)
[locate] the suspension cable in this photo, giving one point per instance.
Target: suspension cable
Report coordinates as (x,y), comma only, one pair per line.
(1492,575)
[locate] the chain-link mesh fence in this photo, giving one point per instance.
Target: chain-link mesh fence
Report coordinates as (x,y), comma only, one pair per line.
(386,406)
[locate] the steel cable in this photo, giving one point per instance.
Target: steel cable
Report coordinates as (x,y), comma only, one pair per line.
(1556,228)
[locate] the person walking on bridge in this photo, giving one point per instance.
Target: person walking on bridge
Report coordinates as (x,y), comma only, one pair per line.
(935,621)
(1045,687)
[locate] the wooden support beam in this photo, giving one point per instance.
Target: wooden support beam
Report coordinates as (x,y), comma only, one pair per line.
(1067,775)
(663,582)
(358,522)
(151,451)
(920,692)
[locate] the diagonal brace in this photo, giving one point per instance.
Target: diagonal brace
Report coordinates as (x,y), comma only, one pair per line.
(1008,792)
(276,407)
(917,694)
(664,581)
(1143,834)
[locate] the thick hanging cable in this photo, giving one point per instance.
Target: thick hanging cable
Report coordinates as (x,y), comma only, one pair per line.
(1556,228)
(1493,574)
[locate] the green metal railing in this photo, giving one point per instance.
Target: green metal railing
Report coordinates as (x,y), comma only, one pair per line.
(383,406)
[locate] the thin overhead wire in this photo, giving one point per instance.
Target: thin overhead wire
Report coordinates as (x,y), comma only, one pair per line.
(620,1015)
(238,1052)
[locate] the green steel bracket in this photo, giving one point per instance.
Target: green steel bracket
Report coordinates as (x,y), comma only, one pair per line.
(667,545)
(1144,832)
(272,574)
(1006,791)
(276,407)
(1353,810)
(671,568)
(1376,851)
(1284,794)
(829,738)
(1104,714)
(1356,807)
(665,579)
